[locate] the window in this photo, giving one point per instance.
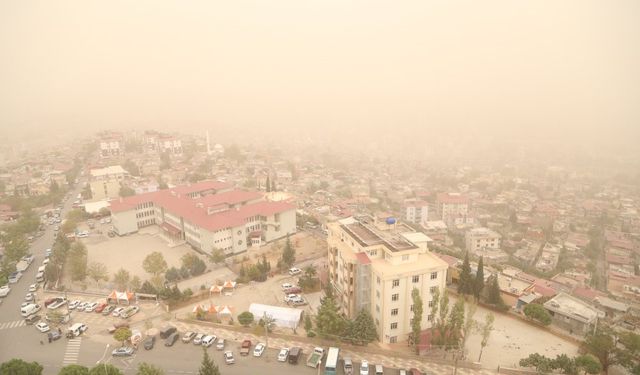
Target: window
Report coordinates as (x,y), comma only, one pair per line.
(431,303)
(378,279)
(405,258)
(394,311)
(393,339)
(430,317)
(416,278)
(377,308)
(434,275)
(394,297)
(395,283)
(378,293)
(394,325)
(433,289)
(411,308)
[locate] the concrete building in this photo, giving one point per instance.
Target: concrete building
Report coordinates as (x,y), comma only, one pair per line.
(416,211)
(111,145)
(573,314)
(453,208)
(481,238)
(207,215)
(375,266)
(170,144)
(105,183)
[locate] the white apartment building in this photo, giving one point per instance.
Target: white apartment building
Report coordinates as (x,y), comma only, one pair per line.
(453,208)
(105,183)
(111,145)
(481,238)
(376,267)
(416,211)
(170,144)
(207,215)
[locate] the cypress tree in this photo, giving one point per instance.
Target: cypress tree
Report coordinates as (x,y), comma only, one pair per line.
(478,285)
(465,284)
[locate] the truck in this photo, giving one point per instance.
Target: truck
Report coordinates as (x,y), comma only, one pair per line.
(315,358)
(245,348)
(21,266)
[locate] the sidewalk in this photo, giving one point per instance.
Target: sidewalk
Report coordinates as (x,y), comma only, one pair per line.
(385,360)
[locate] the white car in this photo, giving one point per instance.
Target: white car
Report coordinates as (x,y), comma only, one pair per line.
(208,340)
(291,297)
(364,367)
(61,301)
(45,262)
(4,290)
(42,327)
(29,297)
(258,350)
(81,305)
(90,307)
(117,311)
(286,286)
(283,354)
(228,357)
(74,304)
(294,271)
(198,339)
(220,344)
(33,287)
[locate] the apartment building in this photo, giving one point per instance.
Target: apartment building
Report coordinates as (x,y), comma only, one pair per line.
(105,183)
(453,208)
(170,144)
(111,145)
(416,211)
(375,266)
(481,238)
(207,215)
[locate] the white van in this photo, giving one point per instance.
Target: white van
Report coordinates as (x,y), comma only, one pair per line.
(77,329)
(42,268)
(30,309)
(208,340)
(379,370)
(40,277)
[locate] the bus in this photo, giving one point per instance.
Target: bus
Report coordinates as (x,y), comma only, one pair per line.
(332,361)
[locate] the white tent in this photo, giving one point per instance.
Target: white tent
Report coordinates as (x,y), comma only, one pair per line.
(283,316)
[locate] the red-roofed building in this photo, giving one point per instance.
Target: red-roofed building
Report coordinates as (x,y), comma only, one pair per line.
(453,208)
(207,215)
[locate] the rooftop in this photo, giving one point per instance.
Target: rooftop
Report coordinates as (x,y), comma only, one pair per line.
(572,307)
(113,169)
(367,235)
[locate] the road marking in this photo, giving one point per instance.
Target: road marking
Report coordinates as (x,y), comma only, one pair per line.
(72,352)
(14,324)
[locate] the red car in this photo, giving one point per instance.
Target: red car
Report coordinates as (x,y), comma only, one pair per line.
(100,307)
(293,290)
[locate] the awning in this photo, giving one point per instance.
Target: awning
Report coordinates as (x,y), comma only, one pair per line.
(171,229)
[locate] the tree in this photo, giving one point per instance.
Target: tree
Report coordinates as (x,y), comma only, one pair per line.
(131,167)
(217,256)
(165,161)
(541,363)
(268,184)
(361,330)
(172,274)
(308,324)
(493,294)
(208,367)
(308,281)
(478,284)
(135,284)
(121,278)
(78,261)
(602,345)
(148,369)
(97,272)
(126,191)
(288,254)
(455,323)
(155,264)
(329,321)
(194,264)
(105,369)
(469,326)
(273,185)
(485,332)
(122,334)
(465,283)
(537,312)
(20,367)
(416,322)
(245,318)
(74,370)
(588,363)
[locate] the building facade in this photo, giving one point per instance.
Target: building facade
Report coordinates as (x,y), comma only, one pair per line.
(207,215)
(416,211)
(481,238)
(105,183)
(111,145)
(376,267)
(453,208)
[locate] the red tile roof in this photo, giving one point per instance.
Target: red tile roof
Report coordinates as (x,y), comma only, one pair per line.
(452,198)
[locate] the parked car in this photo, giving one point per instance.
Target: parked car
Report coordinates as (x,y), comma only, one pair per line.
(117,311)
(90,307)
(54,335)
(283,354)
(4,290)
(74,304)
(197,340)
(149,342)
(107,310)
(258,350)
(364,367)
(129,312)
(31,319)
(290,297)
(167,331)
(286,286)
(100,308)
(188,336)
(82,305)
(293,289)
(228,357)
(171,339)
(42,327)
(208,340)
(57,303)
(33,287)
(125,351)
(294,271)
(220,344)
(29,297)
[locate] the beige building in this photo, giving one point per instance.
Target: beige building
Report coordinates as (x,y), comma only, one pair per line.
(481,238)
(453,208)
(375,266)
(105,183)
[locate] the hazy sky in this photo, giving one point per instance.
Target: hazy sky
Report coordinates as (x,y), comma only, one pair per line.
(414,66)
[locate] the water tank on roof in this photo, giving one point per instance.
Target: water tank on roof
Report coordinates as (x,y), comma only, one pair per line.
(391,220)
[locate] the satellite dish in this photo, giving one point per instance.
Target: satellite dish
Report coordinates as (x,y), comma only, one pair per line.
(391,220)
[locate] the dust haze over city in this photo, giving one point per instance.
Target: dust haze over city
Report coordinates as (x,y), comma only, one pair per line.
(337,187)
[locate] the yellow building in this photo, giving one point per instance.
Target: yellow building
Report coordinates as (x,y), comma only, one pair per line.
(375,266)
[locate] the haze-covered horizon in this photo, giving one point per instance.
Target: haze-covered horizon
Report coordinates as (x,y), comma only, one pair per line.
(359,71)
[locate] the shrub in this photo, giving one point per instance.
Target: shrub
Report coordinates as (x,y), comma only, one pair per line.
(246,318)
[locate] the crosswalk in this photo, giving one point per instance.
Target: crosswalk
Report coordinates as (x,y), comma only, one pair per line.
(72,352)
(14,324)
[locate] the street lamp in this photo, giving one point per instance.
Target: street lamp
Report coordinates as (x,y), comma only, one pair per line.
(101,358)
